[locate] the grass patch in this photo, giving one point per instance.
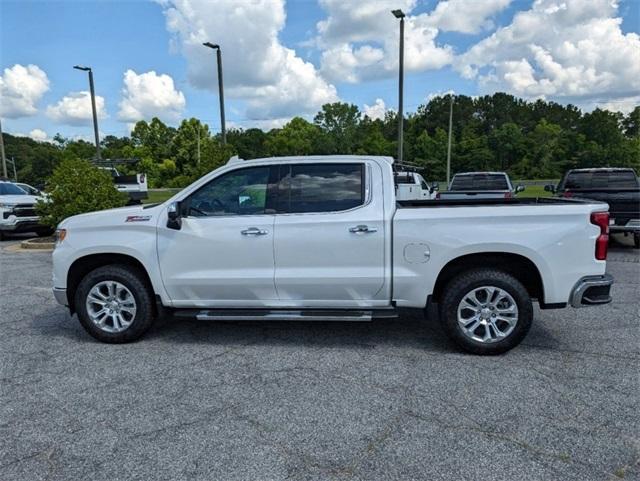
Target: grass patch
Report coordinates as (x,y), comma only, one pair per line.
(156,196)
(534,191)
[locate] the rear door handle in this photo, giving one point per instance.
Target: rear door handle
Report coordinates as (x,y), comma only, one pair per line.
(254,231)
(364,229)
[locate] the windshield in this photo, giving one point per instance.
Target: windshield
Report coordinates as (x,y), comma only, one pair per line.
(479,182)
(603,179)
(10,189)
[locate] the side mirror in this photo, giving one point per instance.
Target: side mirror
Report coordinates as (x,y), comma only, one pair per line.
(435,187)
(519,188)
(174,219)
(550,188)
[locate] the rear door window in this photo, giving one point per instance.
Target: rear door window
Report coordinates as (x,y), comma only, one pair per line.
(479,182)
(625,179)
(320,187)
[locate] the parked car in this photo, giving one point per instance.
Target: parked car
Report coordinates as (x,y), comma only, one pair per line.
(412,186)
(324,238)
(481,185)
(618,187)
(135,185)
(17,211)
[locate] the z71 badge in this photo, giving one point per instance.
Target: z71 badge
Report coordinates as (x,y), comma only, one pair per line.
(138,218)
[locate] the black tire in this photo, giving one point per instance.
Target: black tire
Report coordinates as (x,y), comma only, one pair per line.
(464,283)
(133,280)
(45,232)
(2,236)
(636,241)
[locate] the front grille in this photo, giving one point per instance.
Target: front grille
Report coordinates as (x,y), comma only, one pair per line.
(24,210)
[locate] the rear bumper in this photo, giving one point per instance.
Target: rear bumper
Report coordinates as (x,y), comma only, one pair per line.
(632,226)
(592,291)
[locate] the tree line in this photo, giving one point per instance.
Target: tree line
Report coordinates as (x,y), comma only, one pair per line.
(529,140)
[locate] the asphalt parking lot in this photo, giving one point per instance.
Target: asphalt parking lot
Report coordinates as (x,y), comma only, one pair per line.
(370,401)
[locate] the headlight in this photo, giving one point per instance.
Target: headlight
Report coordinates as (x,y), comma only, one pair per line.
(4,205)
(60,236)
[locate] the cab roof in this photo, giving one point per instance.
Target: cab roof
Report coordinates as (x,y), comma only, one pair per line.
(315,158)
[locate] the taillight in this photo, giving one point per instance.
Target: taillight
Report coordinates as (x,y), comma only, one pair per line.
(567,193)
(437,195)
(142,178)
(601,219)
(508,195)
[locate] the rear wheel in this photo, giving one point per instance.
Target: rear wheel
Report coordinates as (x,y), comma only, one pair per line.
(636,241)
(486,311)
(114,304)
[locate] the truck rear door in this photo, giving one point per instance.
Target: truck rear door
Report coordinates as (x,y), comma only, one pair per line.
(329,235)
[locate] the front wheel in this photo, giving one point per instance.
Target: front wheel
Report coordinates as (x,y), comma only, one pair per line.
(486,311)
(114,304)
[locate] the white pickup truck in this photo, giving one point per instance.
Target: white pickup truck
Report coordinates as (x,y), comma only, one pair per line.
(324,238)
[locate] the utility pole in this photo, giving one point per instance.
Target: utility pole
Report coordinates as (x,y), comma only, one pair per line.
(4,160)
(93,107)
(400,15)
(216,47)
(449,142)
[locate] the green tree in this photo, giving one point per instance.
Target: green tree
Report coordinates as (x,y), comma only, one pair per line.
(339,121)
(76,187)
(297,137)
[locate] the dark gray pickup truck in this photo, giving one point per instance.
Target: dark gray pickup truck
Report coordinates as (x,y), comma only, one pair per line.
(618,187)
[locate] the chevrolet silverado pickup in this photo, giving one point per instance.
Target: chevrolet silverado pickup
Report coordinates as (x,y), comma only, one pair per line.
(17,211)
(322,239)
(618,187)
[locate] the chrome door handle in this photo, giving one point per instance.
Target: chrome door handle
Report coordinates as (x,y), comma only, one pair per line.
(254,231)
(365,229)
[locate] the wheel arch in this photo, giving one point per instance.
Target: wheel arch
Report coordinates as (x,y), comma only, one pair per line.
(85,264)
(519,266)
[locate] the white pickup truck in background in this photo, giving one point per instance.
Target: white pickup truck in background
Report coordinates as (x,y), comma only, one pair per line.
(412,186)
(324,238)
(134,185)
(481,185)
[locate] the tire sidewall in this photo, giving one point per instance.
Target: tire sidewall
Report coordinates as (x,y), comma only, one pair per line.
(132,281)
(465,283)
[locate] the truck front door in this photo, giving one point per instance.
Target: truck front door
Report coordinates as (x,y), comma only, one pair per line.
(223,253)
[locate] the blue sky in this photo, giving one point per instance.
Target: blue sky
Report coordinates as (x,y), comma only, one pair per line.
(114,37)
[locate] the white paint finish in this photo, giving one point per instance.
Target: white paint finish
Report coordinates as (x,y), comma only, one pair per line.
(317,262)
(209,262)
(318,258)
(558,239)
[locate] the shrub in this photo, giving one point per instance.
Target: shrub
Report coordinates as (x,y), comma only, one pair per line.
(76,187)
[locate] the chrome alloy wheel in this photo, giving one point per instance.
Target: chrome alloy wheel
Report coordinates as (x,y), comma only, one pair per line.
(487,314)
(111,306)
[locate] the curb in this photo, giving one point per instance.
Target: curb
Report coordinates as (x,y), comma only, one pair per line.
(30,244)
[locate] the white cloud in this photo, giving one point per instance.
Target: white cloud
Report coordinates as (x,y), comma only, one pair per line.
(75,109)
(39,135)
(571,50)
(273,80)
(20,90)
(360,39)
(624,105)
(375,111)
(150,95)
(465,16)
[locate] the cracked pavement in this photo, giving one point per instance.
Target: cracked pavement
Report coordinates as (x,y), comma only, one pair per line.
(338,401)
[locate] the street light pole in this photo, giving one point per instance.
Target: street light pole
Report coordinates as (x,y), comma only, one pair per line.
(93,107)
(449,141)
(399,14)
(4,160)
(216,47)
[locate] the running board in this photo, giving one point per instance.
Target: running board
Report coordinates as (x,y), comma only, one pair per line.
(348,315)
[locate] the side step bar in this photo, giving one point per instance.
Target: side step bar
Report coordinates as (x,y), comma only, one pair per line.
(348,315)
